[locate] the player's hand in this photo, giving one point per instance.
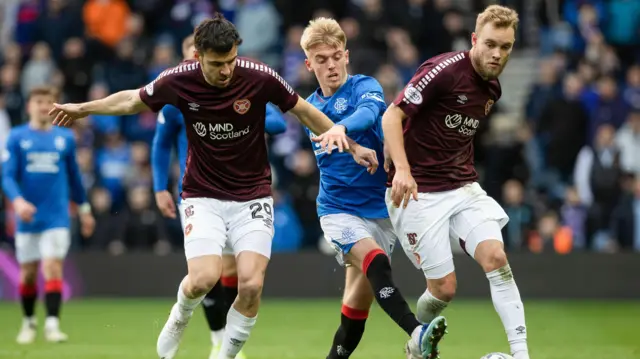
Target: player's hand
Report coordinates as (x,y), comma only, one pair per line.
(403,188)
(336,136)
(165,203)
(87,225)
(64,115)
(387,160)
(24,209)
(365,157)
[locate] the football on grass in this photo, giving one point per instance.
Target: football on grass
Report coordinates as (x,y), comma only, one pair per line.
(497,356)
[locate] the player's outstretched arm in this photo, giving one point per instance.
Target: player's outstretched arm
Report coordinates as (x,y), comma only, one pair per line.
(331,135)
(275,123)
(403,186)
(126,102)
(163,139)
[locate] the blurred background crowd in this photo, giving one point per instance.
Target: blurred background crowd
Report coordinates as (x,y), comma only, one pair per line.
(565,163)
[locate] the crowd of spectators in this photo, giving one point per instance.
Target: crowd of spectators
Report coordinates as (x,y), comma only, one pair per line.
(569,179)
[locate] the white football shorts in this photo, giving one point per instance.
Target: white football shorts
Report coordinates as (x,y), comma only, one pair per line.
(210,225)
(427,225)
(226,251)
(49,244)
(343,230)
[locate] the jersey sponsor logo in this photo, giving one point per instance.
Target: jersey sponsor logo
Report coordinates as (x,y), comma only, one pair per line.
(373,96)
(220,131)
(465,125)
(487,107)
(317,147)
(43,162)
(242,106)
(413,95)
(340,105)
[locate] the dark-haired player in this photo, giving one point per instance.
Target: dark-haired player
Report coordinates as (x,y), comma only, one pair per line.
(227,183)
(40,175)
(432,161)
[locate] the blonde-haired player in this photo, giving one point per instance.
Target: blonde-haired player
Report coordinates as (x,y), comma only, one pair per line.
(429,132)
(351,204)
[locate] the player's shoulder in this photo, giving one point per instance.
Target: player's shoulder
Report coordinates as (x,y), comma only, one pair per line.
(448,63)
(365,83)
(19,131)
(185,69)
(257,71)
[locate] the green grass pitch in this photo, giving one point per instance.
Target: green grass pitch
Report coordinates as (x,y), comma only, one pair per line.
(127,329)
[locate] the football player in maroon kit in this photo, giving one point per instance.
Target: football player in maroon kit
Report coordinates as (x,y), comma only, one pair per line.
(433,193)
(227,182)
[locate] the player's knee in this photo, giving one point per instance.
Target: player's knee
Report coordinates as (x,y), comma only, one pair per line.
(28,274)
(443,288)
(249,289)
(52,269)
(494,259)
(202,282)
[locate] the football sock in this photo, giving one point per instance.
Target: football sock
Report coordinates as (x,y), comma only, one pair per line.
(349,333)
(28,297)
(236,333)
(429,307)
(507,302)
(230,285)
(377,268)
(215,310)
(186,305)
(53,297)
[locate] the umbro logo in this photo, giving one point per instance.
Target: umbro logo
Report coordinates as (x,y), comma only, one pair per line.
(193,106)
(462,99)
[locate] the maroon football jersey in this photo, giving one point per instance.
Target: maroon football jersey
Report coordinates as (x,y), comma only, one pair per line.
(227,151)
(445,101)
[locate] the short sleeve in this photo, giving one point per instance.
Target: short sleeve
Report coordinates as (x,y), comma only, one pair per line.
(159,93)
(425,86)
(280,93)
(368,90)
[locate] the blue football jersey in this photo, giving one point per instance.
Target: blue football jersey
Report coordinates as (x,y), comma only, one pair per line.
(345,186)
(171,132)
(40,166)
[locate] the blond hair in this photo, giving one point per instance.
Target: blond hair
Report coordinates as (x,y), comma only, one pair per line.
(323,31)
(499,16)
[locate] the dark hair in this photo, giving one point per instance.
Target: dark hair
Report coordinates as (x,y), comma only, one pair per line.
(216,34)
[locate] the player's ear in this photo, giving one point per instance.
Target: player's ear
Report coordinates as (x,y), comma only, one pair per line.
(346,56)
(308,64)
(474,39)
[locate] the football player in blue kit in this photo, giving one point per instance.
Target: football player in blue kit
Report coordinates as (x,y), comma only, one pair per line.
(39,176)
(351,202)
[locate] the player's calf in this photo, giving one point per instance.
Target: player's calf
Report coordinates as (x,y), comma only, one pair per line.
(229,279)
(357,299)
(53,270)
(488,250)
(243,313)
(28,298)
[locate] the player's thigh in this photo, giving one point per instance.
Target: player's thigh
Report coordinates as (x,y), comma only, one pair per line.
(250,226)
(55,243)
(27,247)
(205,232)
(423,231)
(349,236)
(358,293)
(481,218)
(251,263)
